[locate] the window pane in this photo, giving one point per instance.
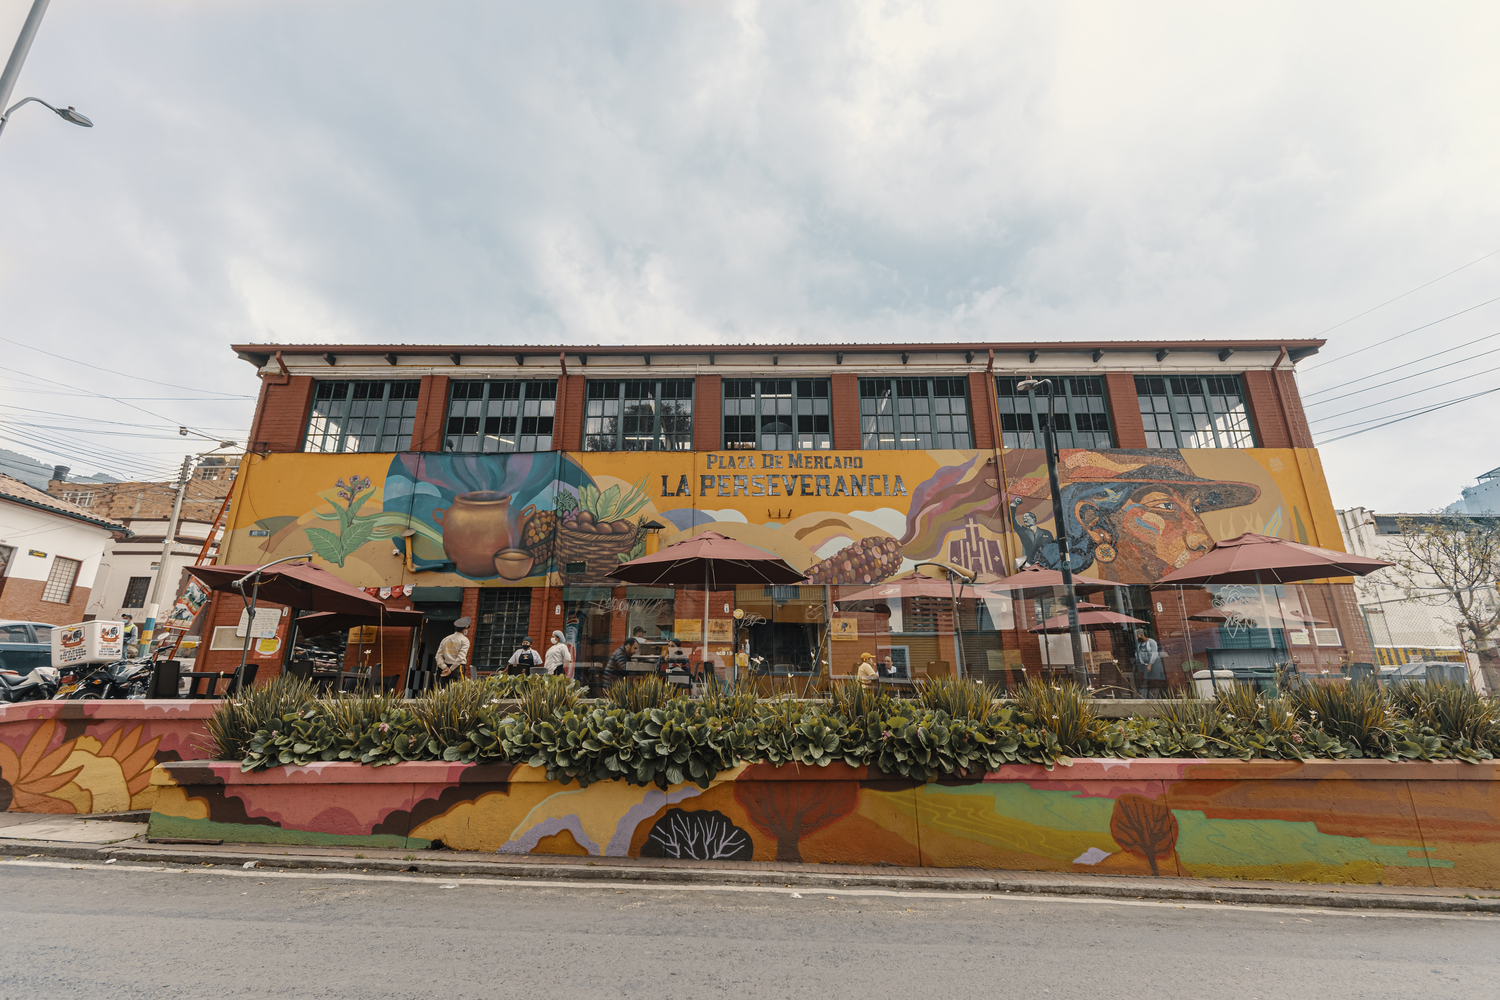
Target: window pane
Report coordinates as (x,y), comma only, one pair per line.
(1194,411)
(1080,404)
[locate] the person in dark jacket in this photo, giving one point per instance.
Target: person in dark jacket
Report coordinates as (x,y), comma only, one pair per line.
(614,670)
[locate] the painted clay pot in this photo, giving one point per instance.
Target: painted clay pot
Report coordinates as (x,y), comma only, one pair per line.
(475,528)
(513,564)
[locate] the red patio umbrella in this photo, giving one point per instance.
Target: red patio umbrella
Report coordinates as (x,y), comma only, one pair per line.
(712,560)
(1034,580)
(295,585)
(1262,559)
(1093,621)
(329,622)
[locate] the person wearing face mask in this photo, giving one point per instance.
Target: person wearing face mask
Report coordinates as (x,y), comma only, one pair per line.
(559,657)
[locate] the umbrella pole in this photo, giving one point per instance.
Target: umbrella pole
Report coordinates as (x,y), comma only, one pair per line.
(705,668)
(239,672)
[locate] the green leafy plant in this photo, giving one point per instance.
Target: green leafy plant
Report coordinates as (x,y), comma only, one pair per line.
(612,504)
(1065,710)
(355,529)
(236,720)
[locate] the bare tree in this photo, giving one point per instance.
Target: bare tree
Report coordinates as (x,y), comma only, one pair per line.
(1453,562)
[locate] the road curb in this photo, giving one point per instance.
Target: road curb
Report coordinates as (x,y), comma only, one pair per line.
(596,872)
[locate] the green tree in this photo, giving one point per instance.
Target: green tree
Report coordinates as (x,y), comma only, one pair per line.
(1453,562)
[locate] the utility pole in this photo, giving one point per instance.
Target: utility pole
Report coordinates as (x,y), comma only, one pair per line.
(166,546)
(18,54)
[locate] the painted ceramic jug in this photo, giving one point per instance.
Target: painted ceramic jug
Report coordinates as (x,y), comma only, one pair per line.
(474,529)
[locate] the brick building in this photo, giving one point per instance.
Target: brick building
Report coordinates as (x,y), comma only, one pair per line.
(505,483)
(130,565)
(50,551)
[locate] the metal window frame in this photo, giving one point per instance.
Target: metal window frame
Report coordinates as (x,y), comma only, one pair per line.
(343,437)
(140,601)
(932,413)
(72,582)
(495,641)
(486,399)
(1172,408)
(723,388)
(1039,406)
(656,414)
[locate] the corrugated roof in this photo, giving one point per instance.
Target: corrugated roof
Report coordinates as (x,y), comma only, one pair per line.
(14,490)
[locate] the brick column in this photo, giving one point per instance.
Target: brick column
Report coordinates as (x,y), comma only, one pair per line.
(281,417)
(708,413)
(982,411)
(1125,410)
(1265,410)
(432,414)
(567,426)
(843,400)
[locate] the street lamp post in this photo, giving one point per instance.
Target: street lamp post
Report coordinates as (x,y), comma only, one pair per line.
(1064,554)
(965,575)
(13,71)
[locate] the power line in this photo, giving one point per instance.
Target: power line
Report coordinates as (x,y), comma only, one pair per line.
(1345,357)
(1406,364)
(112,371)
(113,423)
(1397,420)
(1418,392)
(1381,385)
(101,395)
(1403,295)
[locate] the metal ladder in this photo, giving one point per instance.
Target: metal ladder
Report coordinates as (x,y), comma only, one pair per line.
(166,652)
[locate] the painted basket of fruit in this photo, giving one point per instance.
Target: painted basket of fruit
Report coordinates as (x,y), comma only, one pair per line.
(597,527)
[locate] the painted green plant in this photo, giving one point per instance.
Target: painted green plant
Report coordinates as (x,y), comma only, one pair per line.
(355,529)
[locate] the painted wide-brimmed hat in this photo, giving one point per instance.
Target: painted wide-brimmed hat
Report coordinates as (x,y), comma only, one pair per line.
(1130,469)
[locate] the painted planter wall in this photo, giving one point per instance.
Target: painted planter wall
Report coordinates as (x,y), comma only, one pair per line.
(1366,822)
(94,756)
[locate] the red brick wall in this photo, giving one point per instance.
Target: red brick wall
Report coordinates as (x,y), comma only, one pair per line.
(21,600)
(982,410)
(432,414)
(1301,434)
(281,415)
(1125,410)
(843,393)
(708,413)
(470,610)
(1265,410)
(567,427)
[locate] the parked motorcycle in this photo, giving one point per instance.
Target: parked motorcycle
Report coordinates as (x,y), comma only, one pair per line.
(121,679)
(39,685)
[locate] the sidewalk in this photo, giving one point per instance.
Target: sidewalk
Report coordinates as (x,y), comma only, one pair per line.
(100,839)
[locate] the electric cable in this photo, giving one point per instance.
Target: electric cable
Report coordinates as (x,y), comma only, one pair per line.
(1381,385)
(1424,326)
(1418,392)
(1409,416)
(1404,364)
(101,395)
(115,423)
(115,372)
(1403,295)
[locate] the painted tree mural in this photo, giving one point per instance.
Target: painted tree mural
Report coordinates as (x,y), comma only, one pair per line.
(701,835)
(1144,828)
(790,810)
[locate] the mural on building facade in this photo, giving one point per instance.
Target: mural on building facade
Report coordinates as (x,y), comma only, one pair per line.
(1366,822)
(846,518)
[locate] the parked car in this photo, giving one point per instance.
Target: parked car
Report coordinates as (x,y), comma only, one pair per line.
(1426,670)
(24,646)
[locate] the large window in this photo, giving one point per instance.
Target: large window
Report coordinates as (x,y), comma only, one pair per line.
(362,416)
(639,415)
(135,592)
(494,415)
(785,414)
(913,413)
(504,617)
(60,581)
(1082,415)
(1194,411)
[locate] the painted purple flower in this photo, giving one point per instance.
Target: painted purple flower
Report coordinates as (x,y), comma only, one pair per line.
(356,485)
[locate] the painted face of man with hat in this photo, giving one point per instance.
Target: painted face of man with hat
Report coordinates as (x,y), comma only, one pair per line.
(1137,515)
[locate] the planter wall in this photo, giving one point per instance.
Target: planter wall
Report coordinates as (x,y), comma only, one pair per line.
(93,756)
(1367,822)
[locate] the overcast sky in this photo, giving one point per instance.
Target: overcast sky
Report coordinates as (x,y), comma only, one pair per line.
(481,172)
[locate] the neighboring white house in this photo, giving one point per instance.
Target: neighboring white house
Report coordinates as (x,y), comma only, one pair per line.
(1481,498)
(50,551)
(1401,628)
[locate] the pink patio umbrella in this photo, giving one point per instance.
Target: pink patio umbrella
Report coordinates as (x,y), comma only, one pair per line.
(1093,621)
(1262,559)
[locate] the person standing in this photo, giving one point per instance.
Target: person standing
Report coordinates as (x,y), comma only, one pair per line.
(867,674)
(559,661)
(130,637)
(614,670)
(1148,664)
(452,654)
(523,660)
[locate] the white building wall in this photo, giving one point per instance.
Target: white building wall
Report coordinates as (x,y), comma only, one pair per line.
(138,557)
(28,530)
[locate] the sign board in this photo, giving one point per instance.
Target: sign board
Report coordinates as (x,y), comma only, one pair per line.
(267,620)
(691,629)
(844,627)
(88,642)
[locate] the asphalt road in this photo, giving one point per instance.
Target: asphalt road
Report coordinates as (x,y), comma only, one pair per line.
(123,931)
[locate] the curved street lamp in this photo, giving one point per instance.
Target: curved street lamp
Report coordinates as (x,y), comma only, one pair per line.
(67,114)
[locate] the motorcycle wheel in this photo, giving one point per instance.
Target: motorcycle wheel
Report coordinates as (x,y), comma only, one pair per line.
(84,696)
